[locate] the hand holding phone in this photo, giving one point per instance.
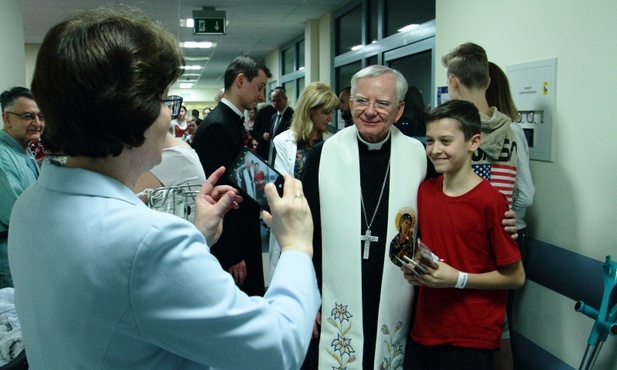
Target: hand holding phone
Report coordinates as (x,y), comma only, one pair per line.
(291,221)
(426,256)
(413,266)
(250,174)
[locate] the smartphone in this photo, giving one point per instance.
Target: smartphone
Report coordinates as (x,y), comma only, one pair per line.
(250,174)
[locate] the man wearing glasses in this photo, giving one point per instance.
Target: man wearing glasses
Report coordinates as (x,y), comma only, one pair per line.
(354,224)
(359,184)
(23,122)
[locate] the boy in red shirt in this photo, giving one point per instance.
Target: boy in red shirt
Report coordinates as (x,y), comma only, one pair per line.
(462,298)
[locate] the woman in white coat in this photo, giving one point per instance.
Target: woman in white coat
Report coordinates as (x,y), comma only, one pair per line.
(310,121)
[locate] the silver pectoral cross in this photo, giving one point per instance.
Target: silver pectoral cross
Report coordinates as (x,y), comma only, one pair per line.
(367,238)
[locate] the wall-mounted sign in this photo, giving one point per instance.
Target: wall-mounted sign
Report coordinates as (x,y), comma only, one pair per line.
(209,26)
(534,86)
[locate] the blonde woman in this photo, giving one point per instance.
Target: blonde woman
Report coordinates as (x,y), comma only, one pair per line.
(311,118)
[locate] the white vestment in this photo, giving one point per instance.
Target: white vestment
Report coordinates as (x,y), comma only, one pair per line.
(342,339)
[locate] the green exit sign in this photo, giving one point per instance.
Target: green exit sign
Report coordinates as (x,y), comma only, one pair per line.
(209,26)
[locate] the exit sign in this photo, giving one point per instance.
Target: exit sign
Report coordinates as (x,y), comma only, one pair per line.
(209,26)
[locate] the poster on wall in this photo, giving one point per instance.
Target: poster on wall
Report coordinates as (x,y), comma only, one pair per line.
(442,95)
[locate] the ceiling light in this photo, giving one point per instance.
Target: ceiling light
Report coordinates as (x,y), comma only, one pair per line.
(189,23)
(185,85)
(357,47)
(196,58)
(197,44)
(408,27)
(192,68)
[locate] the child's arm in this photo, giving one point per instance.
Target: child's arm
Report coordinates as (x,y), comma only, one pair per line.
(445,276)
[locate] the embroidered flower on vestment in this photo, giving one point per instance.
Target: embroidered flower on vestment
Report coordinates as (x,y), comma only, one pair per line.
(343,346)
(340,313)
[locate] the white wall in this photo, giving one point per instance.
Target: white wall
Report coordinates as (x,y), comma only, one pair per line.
(326,56)
(273,62)
(31,52)
(12,53)
(312,53)
(576,202)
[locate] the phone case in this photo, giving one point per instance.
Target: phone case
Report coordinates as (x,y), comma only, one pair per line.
(250,174)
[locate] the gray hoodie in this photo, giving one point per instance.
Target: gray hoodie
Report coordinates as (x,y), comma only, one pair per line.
(495,160)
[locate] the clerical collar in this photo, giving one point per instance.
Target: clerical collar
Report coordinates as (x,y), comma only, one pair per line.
(232,106)
(374,146)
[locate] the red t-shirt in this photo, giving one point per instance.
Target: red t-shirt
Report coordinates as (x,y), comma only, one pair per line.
(466,232)
(260,180)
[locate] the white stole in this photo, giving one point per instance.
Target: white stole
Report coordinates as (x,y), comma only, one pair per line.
(342,340)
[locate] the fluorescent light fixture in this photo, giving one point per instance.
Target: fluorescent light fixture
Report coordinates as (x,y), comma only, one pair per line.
(185,85)
(192,68)
(189,23)
(196,58)
(408,27)
(357,47)
(197,44)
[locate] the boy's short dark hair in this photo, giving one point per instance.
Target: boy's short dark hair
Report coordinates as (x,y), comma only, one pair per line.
(99,80)
(469,63)
(8,97)
(247,65)
(464,112)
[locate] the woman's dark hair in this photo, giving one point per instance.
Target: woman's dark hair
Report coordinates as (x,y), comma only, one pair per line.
(498,92)
(99,79)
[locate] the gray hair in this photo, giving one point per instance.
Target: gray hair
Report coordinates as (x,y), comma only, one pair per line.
(378,70)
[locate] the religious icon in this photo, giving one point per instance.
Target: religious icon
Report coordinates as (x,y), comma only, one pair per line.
(402,244)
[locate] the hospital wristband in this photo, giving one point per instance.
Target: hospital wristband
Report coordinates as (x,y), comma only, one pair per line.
(462,280)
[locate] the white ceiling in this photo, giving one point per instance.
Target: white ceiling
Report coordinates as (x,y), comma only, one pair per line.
(255,27)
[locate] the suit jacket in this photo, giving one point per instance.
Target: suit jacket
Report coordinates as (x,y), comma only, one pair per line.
(262,125)
(217,142)
(283,126)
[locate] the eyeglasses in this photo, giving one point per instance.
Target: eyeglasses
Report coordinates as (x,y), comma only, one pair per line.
(28,117)
(174,103)
(382,106)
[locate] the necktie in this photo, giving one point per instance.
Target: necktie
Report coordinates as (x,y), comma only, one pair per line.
(277,121)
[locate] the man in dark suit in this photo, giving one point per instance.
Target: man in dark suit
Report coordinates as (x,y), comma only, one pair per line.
(261,130)
(217,142)
(279,121)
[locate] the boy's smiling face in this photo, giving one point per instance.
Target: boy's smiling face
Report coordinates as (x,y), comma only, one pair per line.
(446,146)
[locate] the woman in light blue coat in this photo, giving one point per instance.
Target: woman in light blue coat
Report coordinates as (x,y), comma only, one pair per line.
(101,280)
